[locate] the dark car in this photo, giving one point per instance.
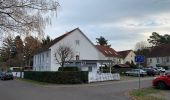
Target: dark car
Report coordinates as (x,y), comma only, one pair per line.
(150,71)
(162,82)
(0,74)
(6,76)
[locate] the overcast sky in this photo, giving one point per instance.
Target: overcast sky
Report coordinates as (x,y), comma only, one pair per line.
(121,22)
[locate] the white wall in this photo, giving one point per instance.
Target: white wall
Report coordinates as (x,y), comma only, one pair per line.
(130,57)
(122,61)
(84,49)
(41,61)
(153,61)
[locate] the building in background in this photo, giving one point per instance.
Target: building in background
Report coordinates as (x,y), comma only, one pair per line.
(127,56)
(159,56)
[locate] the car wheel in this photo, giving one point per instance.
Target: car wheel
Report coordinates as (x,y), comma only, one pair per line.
(161,85)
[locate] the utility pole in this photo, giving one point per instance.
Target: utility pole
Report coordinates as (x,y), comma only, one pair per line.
(139,75)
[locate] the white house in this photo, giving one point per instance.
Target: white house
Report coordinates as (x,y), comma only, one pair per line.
(127,56)
(86,56)
(83,48)
(159,55)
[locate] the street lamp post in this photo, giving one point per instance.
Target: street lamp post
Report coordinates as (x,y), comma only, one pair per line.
(139,59)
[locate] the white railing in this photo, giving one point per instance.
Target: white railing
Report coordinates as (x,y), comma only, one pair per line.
(96,77)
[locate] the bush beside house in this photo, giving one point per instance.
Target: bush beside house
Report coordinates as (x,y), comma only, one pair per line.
(65,77)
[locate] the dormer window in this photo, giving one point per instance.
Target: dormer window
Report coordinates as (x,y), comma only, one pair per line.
(106,52)
(115,53)
(110,52)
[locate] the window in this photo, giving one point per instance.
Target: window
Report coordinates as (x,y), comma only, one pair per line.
(40,58)
(77,57)
(43,57)
(35,59)
(151,60)
(167,59)
(90,68)
(162,59)
(47,54)
(77,42)
(157,60)
(106,51)
(110,52)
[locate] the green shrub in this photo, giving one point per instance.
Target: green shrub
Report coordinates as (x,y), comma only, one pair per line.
(106,69)
(69,69)
(165,67)
(66,77)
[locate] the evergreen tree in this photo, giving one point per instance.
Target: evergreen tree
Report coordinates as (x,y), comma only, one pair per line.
(102,41)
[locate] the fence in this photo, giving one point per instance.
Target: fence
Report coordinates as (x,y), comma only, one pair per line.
(18,74)
(103,77)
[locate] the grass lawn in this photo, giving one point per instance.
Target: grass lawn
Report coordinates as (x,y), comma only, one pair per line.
(32,81)
(147,94)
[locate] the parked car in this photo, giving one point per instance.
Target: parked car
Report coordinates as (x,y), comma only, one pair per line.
(157,71)
(160,69)
(161,82)
(0,74)
(150,71)
(6,75)
(135,72)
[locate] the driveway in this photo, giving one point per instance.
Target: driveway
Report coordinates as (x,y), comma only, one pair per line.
(19,90)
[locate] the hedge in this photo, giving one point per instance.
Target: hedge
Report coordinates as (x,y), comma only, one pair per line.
(65,77)
(69,69)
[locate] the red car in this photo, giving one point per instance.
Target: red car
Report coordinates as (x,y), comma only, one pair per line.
(162,82)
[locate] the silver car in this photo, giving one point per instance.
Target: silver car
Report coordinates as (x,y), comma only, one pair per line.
(135,72)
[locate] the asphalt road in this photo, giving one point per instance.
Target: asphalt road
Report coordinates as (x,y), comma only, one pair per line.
(19,90)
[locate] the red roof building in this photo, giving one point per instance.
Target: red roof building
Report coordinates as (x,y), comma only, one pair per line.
(159,55)
(107,51)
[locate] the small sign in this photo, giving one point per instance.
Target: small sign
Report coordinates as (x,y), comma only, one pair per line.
(139,58)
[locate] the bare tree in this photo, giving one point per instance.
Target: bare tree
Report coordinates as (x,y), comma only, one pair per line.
(142,48)
(141,45)
(25,16)
(63,53)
